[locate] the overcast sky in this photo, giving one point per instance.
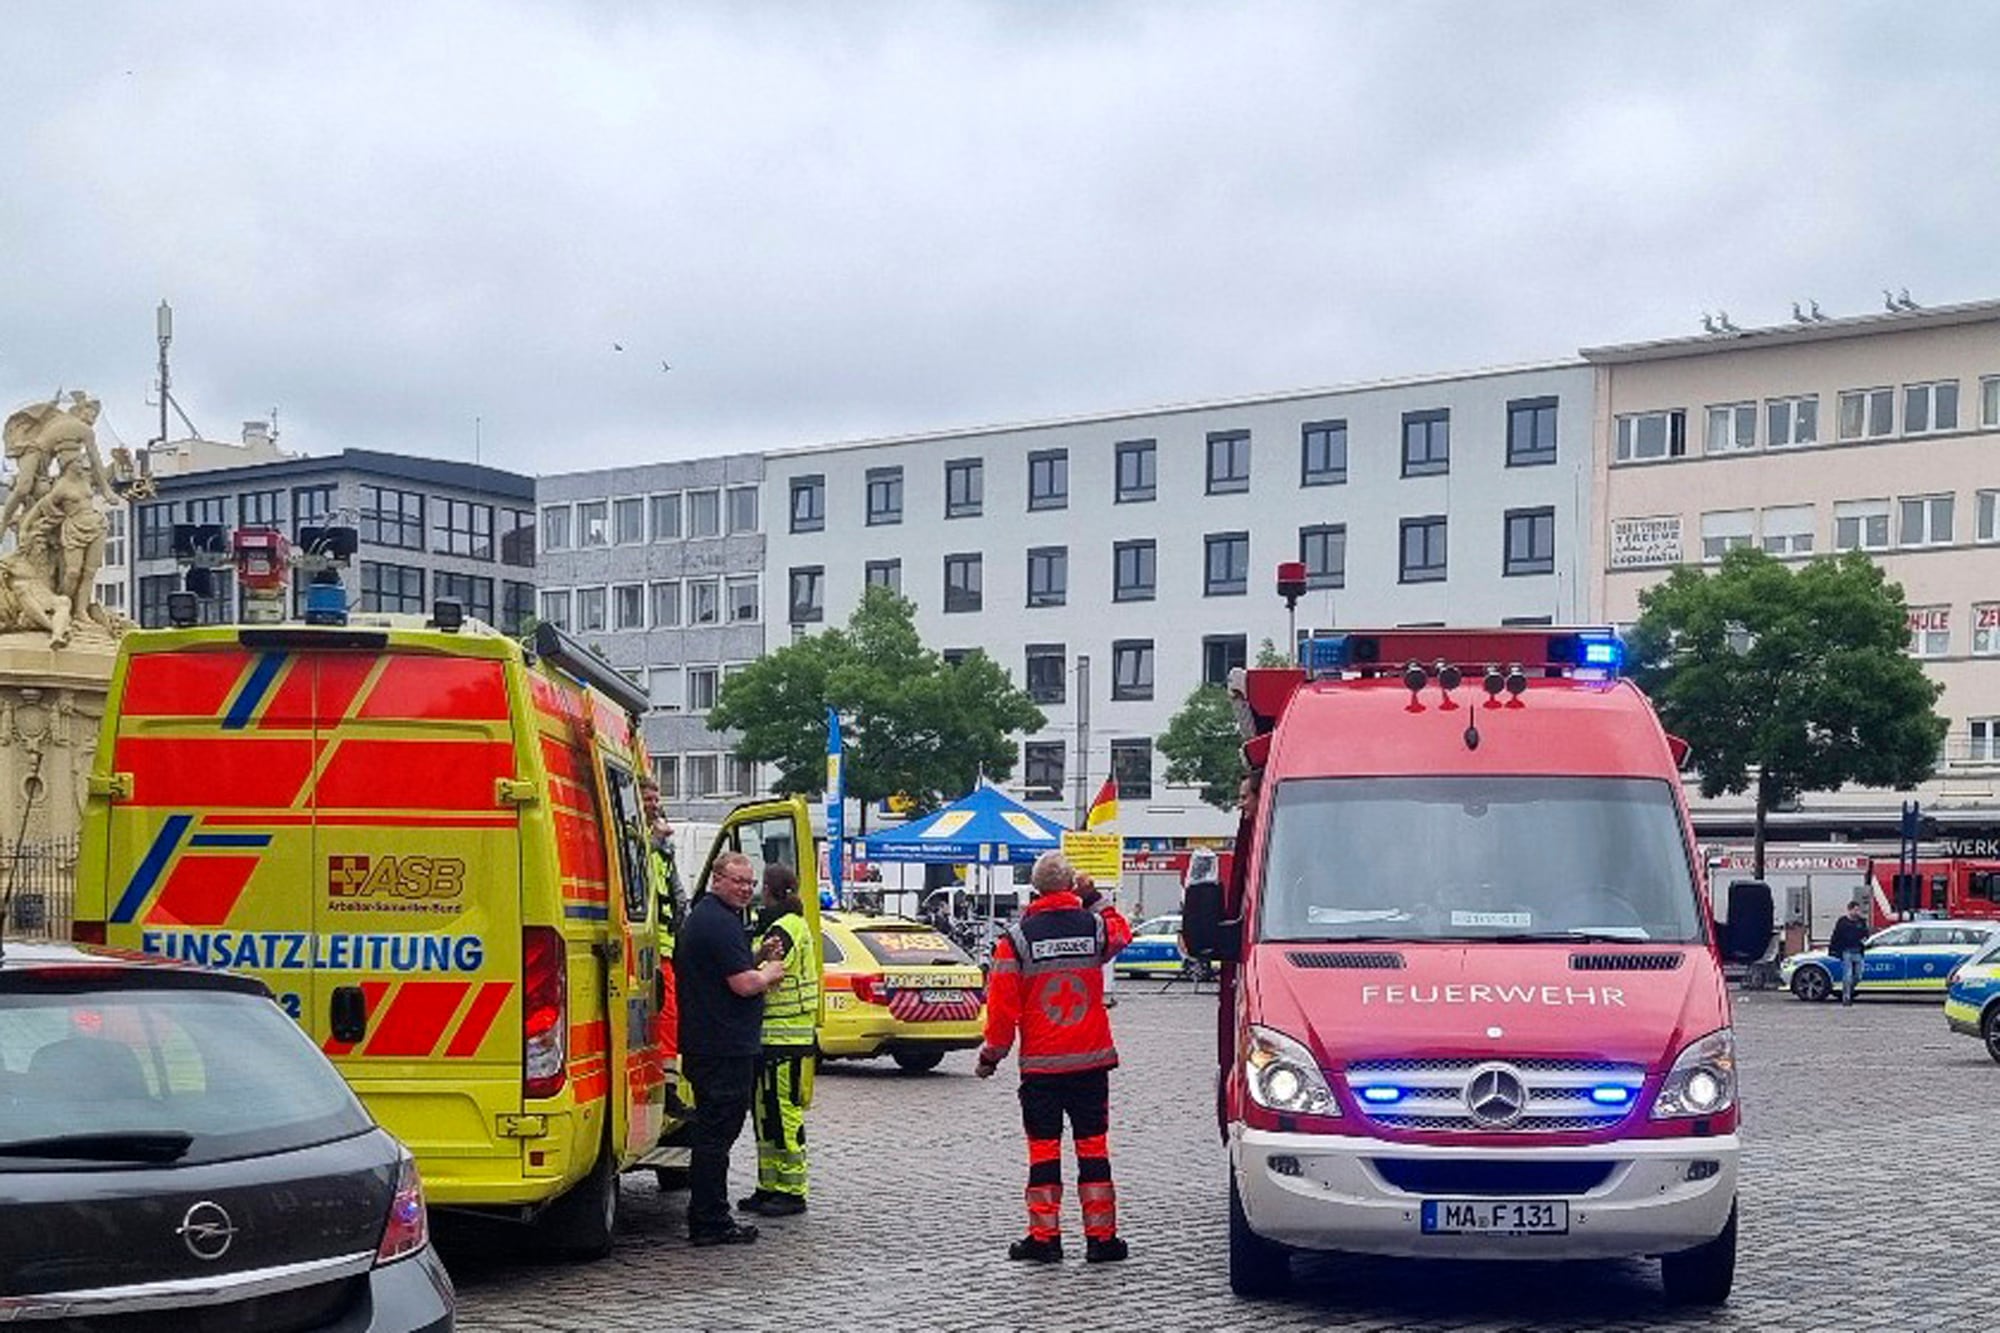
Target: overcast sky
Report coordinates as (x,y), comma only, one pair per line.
(844,220)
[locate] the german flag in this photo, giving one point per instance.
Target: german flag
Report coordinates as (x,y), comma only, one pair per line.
(1104,809)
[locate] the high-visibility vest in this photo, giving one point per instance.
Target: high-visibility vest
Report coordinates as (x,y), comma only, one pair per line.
(791,1008)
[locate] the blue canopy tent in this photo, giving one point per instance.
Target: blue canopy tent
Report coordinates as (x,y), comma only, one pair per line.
(986,827)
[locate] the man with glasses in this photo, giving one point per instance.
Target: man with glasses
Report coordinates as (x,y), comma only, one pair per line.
(721,990)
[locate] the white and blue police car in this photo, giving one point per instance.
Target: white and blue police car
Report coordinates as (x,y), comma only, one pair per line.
(1972,997)
(1912,957)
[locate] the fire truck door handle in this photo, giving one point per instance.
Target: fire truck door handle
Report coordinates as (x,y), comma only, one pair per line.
(350,1014)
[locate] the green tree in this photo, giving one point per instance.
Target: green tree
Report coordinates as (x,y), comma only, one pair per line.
(1204,745)
(1804,677)
(910,722)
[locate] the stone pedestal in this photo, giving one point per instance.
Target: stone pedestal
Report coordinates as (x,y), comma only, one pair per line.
(51,702)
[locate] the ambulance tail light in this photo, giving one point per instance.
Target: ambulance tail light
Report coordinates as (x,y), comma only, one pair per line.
(869,990)
(409,1225)
(544,1012)
(87,932)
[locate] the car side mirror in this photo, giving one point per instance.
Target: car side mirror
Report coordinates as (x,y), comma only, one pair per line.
(1210,936)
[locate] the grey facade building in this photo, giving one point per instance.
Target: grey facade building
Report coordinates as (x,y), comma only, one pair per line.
(661,568)
(428,529)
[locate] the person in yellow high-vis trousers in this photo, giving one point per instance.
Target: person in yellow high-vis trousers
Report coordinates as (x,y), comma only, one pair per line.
(785,1073)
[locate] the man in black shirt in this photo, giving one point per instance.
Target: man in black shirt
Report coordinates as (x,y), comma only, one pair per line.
(721,1030)
(1850,934)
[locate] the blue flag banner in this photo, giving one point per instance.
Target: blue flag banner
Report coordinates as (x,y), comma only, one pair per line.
(836,809)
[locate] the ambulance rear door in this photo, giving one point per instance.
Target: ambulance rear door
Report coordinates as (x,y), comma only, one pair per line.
(637,1064)
(771,833)
(416,887)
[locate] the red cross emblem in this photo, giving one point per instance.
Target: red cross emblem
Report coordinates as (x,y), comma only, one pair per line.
(1064,1000)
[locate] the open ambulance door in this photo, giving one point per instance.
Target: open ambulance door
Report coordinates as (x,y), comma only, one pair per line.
(770,832)
(631,959)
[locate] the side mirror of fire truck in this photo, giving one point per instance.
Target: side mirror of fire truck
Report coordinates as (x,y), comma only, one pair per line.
(1210,936)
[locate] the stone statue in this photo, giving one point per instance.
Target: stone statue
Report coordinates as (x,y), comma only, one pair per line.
(55,511)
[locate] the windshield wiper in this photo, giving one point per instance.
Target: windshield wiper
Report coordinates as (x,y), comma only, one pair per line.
(155,1146)
(1583,936)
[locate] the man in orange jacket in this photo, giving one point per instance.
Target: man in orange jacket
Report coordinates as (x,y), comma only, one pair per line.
(1047,984)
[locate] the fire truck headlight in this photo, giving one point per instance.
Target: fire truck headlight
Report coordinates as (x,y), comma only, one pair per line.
(1703,1079)
(1283,1075)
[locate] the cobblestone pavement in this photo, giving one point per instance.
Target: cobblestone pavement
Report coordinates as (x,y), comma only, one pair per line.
(1869,1184)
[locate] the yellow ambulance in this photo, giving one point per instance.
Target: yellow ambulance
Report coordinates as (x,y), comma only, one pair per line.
(427,839)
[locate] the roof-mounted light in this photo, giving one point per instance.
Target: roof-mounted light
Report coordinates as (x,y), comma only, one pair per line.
(1325,656)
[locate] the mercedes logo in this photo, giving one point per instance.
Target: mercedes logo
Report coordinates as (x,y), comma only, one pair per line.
(206,1231)
(1496,1096)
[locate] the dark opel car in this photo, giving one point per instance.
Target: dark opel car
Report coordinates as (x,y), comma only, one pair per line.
(176,1154)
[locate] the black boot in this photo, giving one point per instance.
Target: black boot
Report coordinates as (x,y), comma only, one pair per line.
(1105,1250)
(1035,1250)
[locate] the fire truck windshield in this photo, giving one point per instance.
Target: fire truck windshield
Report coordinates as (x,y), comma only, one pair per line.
(1477,858)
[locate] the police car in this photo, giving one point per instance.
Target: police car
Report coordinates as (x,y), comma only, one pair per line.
(1155,949)
(1909,958)
(1972,998)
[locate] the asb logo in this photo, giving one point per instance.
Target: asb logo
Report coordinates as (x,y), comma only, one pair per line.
(406,878)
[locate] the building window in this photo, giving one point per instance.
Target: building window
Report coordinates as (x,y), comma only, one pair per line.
(704,601)
(390,517)
(702,681)
(1861,525)
(593,524)
(1788,530)
(1989,402)
(114,544)
(628,606)
(1789,421)
(1986,629)
(1732,427)
(1426,443)
(1423,543)
(1930,631)
(742,509)
(1048,575)
(1323,548)
(517,606)
(667,768)
(1645,436)
(556,607)
(666,599)
(1926,520)
(219,608)
(1228,462)
(1987,516)
(153,592)
(1221,654)
(1138,470)
(743,601)
(1531,432)
(955,656)
(962,582)
(808,503)
(739,775)
(214,509)
(590,610)
(312,506)
(666,516)
(517,538)
(391,587)
(1531,542)
(808,594)
(663,689)
(1226,571)
(1048,670)
(1042,770)
(1723,530)
(1048,479)
(259,509)
(1982,742)
(964,487)
(885,574)
(1323,453)
(1867,414)
(703,773)
(156,537)
(461,527)
(470,591)
(1132,669)
(1132,766)
(1133,568)
(1930,407)
(885,496)
(704,513)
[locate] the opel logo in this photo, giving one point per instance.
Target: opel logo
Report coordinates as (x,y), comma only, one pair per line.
(206,1231)
(1496,1096)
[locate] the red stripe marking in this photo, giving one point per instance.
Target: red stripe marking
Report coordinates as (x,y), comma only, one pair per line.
(182,684)
(458,689)
(559,759)
(586,1039)
(371,997)
(414,775)
(340,679)
(485,1008)
(291,704)
(416,1018)
(550,697)
(202,890)
(398,820)
(216,772)
(585,895)
(592,1087)
(579,853)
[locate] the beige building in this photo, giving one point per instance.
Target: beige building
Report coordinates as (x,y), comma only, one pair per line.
(1879,433)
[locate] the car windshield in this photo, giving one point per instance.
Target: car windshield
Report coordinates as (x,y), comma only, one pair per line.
(160,1076)
(1989,952)
(1478,858)
(1160,925)
(912,948)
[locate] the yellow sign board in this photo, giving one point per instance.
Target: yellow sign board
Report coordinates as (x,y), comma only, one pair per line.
(1098,855)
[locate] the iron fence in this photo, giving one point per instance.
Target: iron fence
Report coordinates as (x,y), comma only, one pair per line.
(38,887)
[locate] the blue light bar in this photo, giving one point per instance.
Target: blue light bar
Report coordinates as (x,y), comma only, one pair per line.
(1327,654)
(1605,651)
(1611,1094)
(1381,1095)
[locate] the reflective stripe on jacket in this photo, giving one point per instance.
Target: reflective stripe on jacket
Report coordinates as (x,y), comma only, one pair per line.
(1047,984)
(791,1008)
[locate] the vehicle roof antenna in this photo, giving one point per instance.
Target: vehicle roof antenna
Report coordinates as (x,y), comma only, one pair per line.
(14,861)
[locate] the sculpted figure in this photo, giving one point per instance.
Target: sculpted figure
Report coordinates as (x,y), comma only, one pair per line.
(51,509)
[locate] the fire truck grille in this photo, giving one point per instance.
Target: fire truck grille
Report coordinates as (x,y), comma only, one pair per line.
(1624,962)
(1463,1096)
(1350,958)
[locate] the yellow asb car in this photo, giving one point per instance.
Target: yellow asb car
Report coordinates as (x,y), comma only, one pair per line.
(896,987)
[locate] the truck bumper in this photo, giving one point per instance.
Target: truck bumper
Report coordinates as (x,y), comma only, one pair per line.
(1331,1195)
